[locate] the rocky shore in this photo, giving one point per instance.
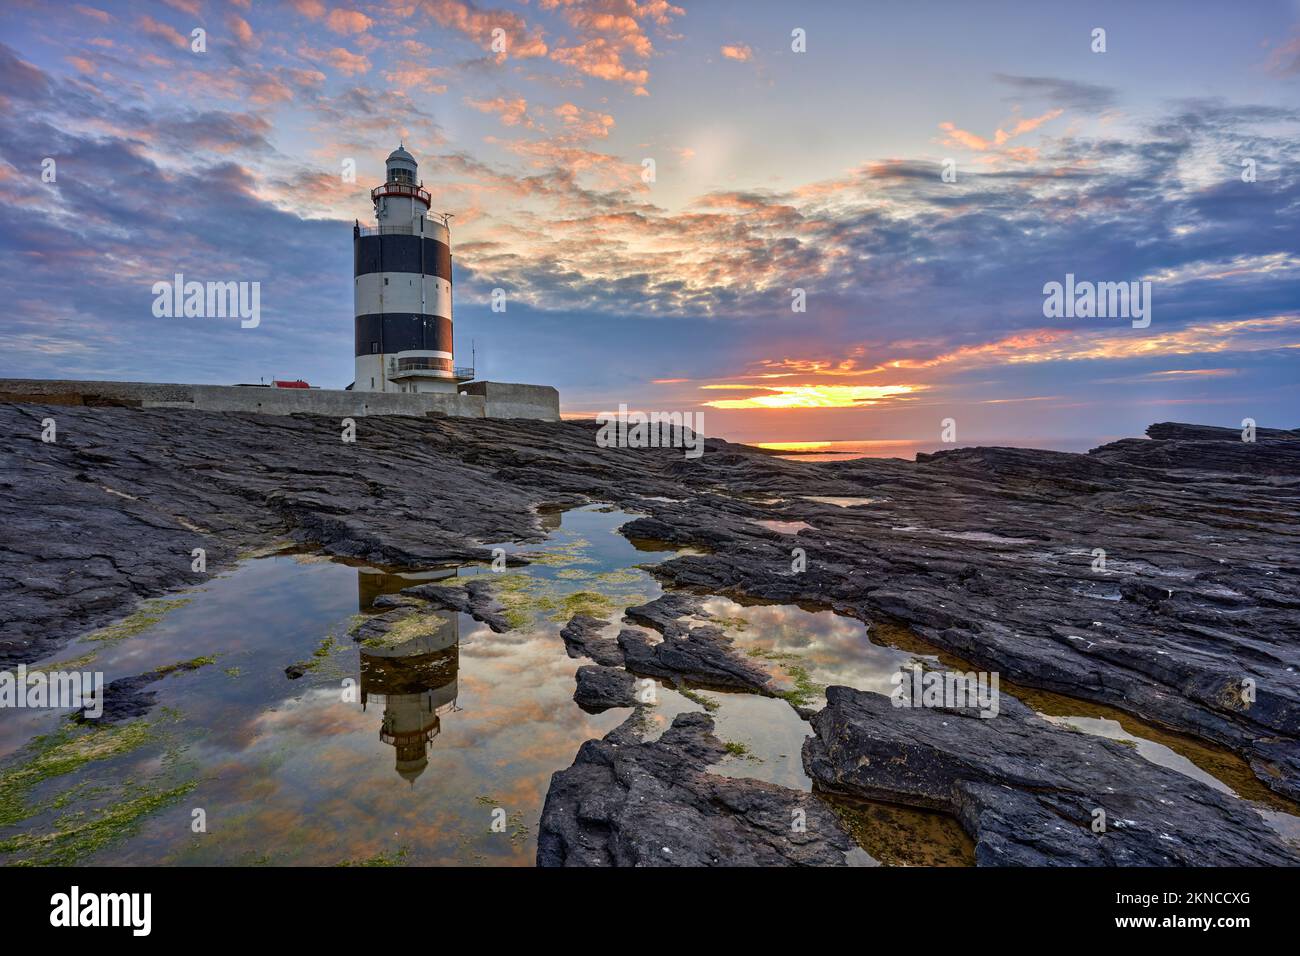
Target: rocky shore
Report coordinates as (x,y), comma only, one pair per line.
(1159,576)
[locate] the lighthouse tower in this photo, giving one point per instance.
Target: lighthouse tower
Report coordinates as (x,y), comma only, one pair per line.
(402,290)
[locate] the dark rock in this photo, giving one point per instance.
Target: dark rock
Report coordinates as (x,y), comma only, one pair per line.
(582,638)
(390,601)
(702,655)
(474,598)
(126,698)
(1186,460)
(1180,431)
(600,688)
(625,802)
(445,596)
(1026,790)
(664,612)
(376,626)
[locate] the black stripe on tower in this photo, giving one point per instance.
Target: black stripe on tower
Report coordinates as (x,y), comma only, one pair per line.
(390,332)
(418,254)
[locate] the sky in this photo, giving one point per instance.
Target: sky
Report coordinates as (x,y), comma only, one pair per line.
(537,125)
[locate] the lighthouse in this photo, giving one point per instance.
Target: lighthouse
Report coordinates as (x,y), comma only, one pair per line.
(402,290)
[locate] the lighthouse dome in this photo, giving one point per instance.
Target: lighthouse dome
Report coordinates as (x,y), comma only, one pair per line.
(401,154)
(401,166)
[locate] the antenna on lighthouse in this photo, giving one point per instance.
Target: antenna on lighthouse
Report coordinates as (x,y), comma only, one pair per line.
(446,218)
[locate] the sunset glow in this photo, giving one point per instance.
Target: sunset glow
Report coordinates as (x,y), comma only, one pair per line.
(814,396)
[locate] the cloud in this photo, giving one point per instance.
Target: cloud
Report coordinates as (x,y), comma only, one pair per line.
(521,41)
(81,63)
(311,9)
(348,21)
(414,76)
(94,13)
(582,124)
(610,33)
(340,60)
(241,30)
(738,52)
(162,31)
(511,112)
(963,138)
(1066,94)
(1284,60)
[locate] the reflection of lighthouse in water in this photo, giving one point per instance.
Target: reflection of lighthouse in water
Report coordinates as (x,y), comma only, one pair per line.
(415,682)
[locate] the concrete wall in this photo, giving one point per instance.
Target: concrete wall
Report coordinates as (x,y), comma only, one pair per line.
(509,400)
(67,392)
(484,399)
(333,402)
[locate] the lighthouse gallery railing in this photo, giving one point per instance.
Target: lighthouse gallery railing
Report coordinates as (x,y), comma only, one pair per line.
(391,231)
(401,189)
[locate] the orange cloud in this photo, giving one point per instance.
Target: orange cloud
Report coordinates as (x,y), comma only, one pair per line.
(957,137)
(414,76)
(340,60)
(609,31)
(311,9)
(583,124)
(521,43)
(1027,125)
(603,59)
(511,112)
(1068,345)
(348,21)
(1285,59)
(152,27)
(94,13)
(739,52)
(240,28)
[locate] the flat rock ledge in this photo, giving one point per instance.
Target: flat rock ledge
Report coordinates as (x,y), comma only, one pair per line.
(699,653)
(600,688)
(1026,791)
(703,656)
(630,802)
(474,599)
(128,697)
(584,637)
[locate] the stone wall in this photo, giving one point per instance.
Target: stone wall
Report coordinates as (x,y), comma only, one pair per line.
(510,400)
(478,399)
